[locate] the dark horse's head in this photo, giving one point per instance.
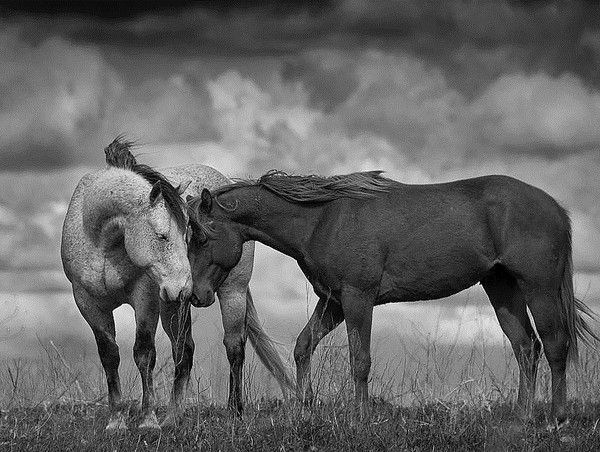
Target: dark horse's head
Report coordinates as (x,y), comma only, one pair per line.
(215,247)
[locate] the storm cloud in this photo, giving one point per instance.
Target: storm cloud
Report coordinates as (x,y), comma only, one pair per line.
(427,91)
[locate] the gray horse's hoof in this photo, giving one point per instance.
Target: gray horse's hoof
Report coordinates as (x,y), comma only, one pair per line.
(150,423)
(170,421)
(116,425)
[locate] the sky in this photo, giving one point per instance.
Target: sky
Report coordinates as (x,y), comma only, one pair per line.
(427,91)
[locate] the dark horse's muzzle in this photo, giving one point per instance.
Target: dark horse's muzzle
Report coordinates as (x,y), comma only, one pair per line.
(206,301)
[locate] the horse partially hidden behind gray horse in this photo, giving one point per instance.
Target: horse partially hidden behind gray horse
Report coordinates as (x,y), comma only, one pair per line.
(364,240)
(125,242)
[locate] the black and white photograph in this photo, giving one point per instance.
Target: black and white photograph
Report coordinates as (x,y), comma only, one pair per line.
(300,225)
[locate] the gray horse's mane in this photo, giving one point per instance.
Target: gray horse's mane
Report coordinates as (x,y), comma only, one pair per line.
(118,155)
(317,189)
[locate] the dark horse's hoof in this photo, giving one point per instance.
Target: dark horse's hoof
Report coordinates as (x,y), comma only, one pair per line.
(558,424)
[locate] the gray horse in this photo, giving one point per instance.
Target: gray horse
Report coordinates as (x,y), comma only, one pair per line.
(125,242)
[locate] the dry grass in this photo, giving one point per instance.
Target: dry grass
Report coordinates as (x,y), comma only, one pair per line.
(438,397)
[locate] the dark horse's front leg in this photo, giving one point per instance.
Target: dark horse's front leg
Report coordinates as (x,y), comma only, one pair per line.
(176,322)
(358,312)
(326,316)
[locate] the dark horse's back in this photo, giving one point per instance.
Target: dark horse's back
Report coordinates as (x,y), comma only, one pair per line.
(430,241)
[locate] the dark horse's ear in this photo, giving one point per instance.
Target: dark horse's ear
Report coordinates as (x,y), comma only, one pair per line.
(155,193)
(205,201)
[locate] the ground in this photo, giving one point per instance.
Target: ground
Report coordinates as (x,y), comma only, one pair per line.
(276,425)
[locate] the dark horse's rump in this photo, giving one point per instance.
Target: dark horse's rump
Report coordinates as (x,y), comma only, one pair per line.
(364,240)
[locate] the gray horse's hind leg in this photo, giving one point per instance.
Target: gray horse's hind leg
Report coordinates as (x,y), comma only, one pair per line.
(326,316)
(511,309)
(102,324)
(233,312)
(182,347)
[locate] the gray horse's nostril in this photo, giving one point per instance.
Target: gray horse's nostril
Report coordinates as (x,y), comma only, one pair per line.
(162,293)
(184,294)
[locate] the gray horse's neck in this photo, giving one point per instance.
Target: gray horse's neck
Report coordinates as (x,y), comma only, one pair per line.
(93,247)
(110,200)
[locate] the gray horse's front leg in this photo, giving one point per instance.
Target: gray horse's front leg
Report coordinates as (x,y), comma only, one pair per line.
(182,346)
(144,355)
(102,323)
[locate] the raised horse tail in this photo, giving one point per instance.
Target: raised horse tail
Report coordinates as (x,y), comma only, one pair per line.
(265,349)
(572,309)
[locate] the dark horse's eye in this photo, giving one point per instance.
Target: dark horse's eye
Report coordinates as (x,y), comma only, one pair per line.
(197,234)
(202,237)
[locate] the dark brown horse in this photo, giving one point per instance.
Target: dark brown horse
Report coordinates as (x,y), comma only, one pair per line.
(363,240)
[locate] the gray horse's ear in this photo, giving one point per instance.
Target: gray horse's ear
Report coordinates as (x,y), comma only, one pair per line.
(183,187)
(155,193)
(205,201)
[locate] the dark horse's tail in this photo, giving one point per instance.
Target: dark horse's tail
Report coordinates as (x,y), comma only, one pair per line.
(572,309)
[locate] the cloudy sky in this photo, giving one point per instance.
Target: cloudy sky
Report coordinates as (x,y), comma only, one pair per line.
(427,91)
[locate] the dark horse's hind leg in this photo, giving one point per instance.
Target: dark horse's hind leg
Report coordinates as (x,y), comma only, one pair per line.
(172,315)
(511,309)
(545,308)
(326,316)
(103,326)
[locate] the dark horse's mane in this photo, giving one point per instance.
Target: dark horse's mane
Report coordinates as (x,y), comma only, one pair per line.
(317,189)
(118,155)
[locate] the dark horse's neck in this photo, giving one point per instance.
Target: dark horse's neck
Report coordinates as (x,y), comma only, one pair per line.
(268,218)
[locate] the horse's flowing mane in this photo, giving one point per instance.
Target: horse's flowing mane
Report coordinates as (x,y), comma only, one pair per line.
(317,189)
(118,155)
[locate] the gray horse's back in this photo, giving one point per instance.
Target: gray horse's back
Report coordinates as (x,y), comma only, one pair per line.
(202,176)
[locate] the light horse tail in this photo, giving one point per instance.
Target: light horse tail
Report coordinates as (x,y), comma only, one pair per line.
(265,348)
(572,309)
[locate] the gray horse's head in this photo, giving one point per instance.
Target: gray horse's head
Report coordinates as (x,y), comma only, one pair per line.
(156,240)
(155,230)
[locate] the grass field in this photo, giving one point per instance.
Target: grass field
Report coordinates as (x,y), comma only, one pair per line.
(439,397)
(287,426)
